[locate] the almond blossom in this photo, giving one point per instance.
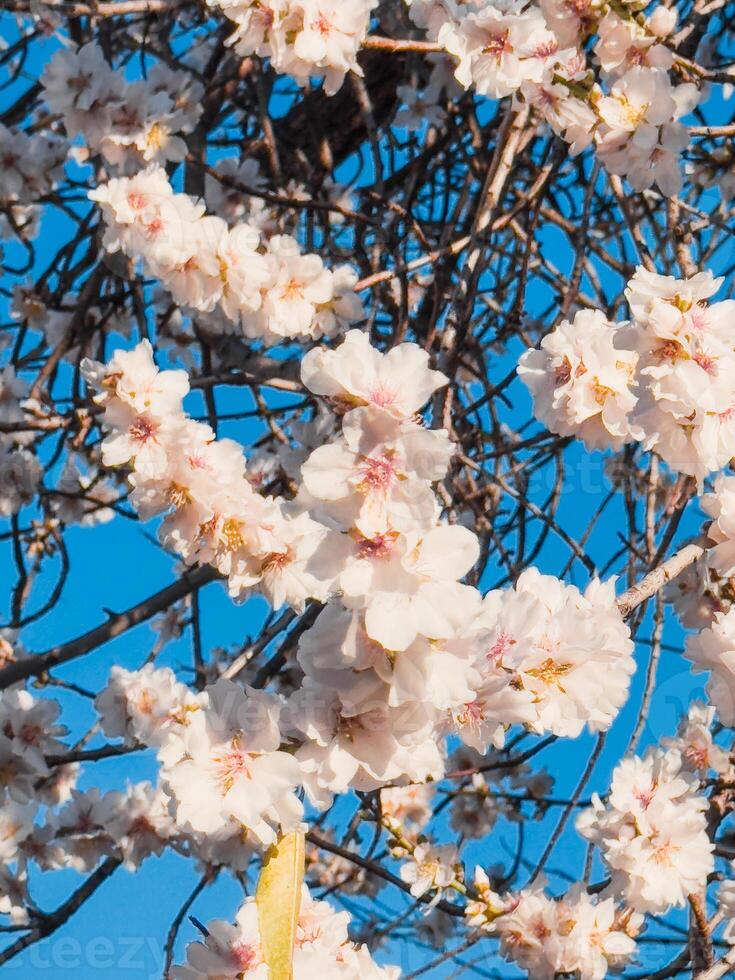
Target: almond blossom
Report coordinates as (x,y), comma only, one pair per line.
(713,650)
(573,934)
(498,45)
(544,649)
(356,374)
(699,752)
(303,38)
(641,138)
(431,869)
(267,289)
(322,948)
(145,705)
(230,772)
(720,506)
(581,381)
(668,374)
(131,123)
(652,831)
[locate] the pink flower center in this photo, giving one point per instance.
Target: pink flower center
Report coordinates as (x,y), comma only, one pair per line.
(143,429)
(707,363)
(243,956)
(698,755)
(497,45)
(230,766)
(276,561)
(383,397)
(698,319)
(502,644)
(30,734)
(473,714)
(155,227)
(645,796)
(321,25)
(546,50)
(198,461)
(377,473)
(380,546)
(137,200)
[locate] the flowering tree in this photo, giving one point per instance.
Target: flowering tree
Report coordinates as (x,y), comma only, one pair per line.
(402,326)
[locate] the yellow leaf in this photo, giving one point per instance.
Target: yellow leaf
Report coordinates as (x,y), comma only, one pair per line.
(278,897)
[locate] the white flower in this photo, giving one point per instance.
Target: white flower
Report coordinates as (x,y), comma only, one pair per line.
(569,116)
(356,374)
(228,952)
(328,41)
(686,370)
(20,475)
(652,832)
(571,20)
(431,868)
(499,46)
(144,705)
(577,934)
(720,506)
(408,584)
(303,38)
(624,44)
(354,739)
(713,650)
(82,87)
(726,903)
(81,828)
(553,657)
(298,285)
(232,771)
(16,826)
(581,381)
(379,474)
(321,948)
(268,289)
(141,825)
(699,752)
(698,592)
(640,138)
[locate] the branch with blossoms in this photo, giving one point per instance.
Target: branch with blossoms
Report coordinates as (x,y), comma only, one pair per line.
(367,420)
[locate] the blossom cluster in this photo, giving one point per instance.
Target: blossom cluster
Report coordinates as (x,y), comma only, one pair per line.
(30,165)
(652,831)
(213,514)
(699,592)
(712,651)
(20,470)
(577,934)
(535,53)
(555,659)
(666,378)
(402,655)
(45,819)
(132,124)
(80,494)
(322,948)
(302,38)
(266,288)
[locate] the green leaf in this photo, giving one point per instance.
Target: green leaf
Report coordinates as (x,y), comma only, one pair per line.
(278,897)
